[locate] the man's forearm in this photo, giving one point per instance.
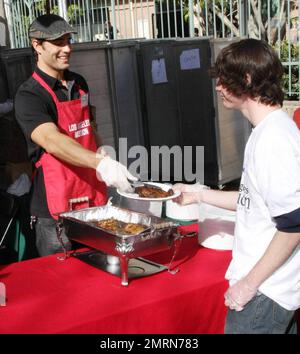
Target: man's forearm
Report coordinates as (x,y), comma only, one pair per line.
(64,147)
(70,151)
(279,250)
(221,199)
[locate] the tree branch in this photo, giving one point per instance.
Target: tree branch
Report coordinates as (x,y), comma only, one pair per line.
(227,22)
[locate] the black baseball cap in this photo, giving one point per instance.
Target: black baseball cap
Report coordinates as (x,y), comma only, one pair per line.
(49,27)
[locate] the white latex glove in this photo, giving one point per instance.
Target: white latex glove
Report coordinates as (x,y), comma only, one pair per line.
(190,193)
(113,173)
(238,295)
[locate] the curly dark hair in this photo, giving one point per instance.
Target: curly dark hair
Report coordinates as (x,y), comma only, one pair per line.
(252,68)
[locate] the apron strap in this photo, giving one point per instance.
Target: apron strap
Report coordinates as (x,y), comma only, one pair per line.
(49,89)
(38,163)
(46,86)
(80,90)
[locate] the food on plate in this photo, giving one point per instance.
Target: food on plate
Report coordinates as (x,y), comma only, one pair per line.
(121,227)
(153,192)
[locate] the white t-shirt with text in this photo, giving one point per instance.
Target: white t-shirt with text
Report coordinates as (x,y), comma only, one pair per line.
(270,187)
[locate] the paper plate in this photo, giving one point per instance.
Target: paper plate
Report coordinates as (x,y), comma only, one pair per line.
(218,242)
(164,187)
(216,227)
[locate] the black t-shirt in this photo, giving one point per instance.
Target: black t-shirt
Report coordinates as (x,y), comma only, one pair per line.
(34,106)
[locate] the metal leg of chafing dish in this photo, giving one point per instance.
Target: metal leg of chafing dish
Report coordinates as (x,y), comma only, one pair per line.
(59,228)
(177,244)
(124,269)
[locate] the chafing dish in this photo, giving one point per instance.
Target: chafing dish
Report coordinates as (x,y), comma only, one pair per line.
(159,235)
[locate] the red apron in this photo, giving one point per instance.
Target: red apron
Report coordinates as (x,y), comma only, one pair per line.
(62,180)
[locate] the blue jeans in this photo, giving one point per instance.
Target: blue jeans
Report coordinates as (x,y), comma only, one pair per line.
(261,316)
(46,237)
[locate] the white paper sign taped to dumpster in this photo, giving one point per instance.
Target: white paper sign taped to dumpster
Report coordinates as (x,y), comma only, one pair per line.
(190,59)
(158,71)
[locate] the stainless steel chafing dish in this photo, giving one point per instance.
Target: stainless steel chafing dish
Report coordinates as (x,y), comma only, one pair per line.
(160,235)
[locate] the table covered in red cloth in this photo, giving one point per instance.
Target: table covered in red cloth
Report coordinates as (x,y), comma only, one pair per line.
(46,295)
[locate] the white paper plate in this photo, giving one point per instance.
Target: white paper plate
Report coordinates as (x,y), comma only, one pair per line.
(219,242)
(216,227)
(164,187)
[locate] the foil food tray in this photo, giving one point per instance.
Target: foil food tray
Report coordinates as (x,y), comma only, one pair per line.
(79,226)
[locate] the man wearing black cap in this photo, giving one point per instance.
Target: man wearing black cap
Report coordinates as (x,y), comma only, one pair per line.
(52,108)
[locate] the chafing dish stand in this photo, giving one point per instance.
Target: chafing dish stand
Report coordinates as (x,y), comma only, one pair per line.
(120,254)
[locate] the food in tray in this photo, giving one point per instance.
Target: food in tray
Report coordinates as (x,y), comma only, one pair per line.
(148,191)
(121,227)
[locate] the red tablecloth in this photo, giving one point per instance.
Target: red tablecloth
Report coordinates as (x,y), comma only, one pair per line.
(45,295)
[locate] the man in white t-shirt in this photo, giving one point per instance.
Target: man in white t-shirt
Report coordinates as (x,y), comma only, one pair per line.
(264,274)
